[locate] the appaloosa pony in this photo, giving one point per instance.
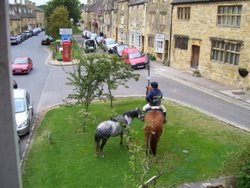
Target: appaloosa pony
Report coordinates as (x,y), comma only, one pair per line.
(113,127)
(153,126)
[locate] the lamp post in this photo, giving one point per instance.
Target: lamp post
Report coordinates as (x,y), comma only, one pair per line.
(72,22)
(148,67)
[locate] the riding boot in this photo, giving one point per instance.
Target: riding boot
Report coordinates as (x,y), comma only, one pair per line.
(165,118)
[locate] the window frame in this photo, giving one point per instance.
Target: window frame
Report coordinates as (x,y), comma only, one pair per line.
(229,15)
(151,41)
(181,42)
(183,13)
(225,51)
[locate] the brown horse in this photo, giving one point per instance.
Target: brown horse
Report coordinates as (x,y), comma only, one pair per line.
(153,126)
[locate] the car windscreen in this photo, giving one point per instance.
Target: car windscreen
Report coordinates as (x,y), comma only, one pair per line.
(109,42)
(20,61)
(134,55)
(19,105)
(120,48)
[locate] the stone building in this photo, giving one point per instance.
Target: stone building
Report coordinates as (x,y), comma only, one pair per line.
(136,23)
(122,21)
(24,16)
(110,19)
(212,37)
(158,24)
(94,18)
(39,17)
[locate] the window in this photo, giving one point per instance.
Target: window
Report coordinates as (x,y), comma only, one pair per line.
(226,51)
(181,42)
(151,40)
(159,46)
(136,40)
(183,13)
(229,16)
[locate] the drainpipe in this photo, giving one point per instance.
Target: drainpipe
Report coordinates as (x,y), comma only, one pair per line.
(170,41)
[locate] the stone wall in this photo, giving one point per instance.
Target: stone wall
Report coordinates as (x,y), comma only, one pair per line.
(200,28)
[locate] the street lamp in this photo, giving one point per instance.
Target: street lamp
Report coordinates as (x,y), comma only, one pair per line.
(72,21)
(148,67)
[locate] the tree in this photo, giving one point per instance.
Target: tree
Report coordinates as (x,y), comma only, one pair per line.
(117,73)
(58,19)
(72,6)
(93,73)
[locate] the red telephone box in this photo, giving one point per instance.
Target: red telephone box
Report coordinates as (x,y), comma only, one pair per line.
(66,53)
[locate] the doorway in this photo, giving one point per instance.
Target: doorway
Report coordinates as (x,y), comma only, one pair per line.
(195,56)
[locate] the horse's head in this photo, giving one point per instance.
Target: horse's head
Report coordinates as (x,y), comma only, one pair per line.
(133,113)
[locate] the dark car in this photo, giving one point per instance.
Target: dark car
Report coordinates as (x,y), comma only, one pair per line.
(118,49)
(45,41)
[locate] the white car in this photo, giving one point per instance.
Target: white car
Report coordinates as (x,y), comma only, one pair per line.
(92,36)
(23,111)
(108,45)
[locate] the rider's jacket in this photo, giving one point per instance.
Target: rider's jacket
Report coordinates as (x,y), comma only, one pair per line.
(154,97)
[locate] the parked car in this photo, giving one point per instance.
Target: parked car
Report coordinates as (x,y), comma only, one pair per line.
(108,45)
(86,34)
(22,65)
(24,36)
(92,36)
(15,40)
(119,48)
(134,58)
(99,40)
(28,33)
(46,40)
(89,45)
(23,111)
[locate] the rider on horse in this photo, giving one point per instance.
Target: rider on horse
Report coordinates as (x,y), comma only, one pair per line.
(154,99)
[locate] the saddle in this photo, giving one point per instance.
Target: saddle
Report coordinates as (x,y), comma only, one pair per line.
(152,108)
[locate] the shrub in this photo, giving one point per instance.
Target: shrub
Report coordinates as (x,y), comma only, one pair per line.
(243,176)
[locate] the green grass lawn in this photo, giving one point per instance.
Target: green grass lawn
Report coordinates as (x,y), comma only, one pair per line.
(197,148)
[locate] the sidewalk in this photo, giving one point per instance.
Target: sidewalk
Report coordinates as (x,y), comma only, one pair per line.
(234,95)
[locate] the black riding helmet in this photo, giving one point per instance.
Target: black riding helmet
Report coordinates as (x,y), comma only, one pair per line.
(154,85)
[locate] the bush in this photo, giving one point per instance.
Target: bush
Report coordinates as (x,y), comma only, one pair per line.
(152,57)
(243,176)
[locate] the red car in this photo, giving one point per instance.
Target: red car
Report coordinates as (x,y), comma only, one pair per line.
(22,65)
(134,58)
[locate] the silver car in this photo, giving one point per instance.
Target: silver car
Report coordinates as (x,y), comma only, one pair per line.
(23,111)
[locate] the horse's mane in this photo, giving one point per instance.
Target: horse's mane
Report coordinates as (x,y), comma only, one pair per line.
(132,113)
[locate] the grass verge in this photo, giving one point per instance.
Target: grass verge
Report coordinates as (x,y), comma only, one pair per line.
(199,147)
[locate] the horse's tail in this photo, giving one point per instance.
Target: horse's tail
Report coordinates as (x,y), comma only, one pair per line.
(153,143)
